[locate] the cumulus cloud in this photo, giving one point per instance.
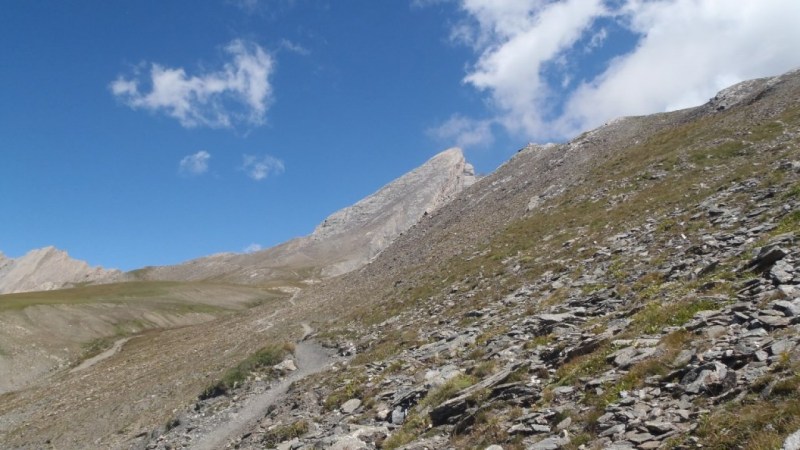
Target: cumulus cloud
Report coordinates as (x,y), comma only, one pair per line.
(261,167)
(195,164)
(239,92)
(528,55)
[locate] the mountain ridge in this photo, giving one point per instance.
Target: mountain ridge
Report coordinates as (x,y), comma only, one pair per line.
(48,268)
(346,239)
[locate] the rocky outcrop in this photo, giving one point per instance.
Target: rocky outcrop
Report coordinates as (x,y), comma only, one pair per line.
(46,269)
(374,222)
(347,239)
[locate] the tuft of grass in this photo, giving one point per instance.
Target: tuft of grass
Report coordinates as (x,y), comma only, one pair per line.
(352,389)
(789,223)
(284,433)
(655,316)
(95,347)
(264,358)
(448,390)
(411,429)
(586,365)
(755,425)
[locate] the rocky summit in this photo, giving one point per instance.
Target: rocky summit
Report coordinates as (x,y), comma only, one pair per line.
(344,241)
(46,269)
(635,288)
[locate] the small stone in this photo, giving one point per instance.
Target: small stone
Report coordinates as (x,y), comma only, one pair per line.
(792,442)
(551,443)
(564,424)
(616,429)
(658,427)
(782,346)
(398,416)
(789,309)
(350,406)
(639,438)
(287,365)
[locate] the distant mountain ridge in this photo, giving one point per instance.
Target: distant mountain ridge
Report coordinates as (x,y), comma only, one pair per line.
(46,269)
(346,240)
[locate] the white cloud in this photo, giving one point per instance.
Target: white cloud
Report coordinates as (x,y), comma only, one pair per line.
(689,51)
(261,167)
(464,132)
(294,47)
(252,248)
(240,92)
(527,53)
(196,164)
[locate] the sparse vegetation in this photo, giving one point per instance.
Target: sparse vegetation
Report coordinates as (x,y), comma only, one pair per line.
(260,361)
(282,433)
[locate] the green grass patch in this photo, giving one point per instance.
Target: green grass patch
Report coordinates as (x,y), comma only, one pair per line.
(447,391)
(353,388)
(655,316)
(260,361)
(283,433)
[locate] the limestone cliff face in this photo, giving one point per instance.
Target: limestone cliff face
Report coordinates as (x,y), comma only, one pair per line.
(47,269)
(347,239)
(374,222)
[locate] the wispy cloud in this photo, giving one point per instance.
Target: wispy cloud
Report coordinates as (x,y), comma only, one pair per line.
(195,164)
(261,167)
(238,93)
(529,53)
(252,248)
(464,132)
(294,47)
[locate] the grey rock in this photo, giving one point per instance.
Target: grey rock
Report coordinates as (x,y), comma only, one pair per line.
(638,438)
(781,346)
(712,379)
(782,272)
(350,406)
(659,427)
(398,416)
(555,318)
(287,365)
(767,256)
(551,443)
(792,441)
(450,410)
(790,309)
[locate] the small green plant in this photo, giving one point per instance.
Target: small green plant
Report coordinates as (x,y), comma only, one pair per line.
(447,391)
(264,358)
(352,389)
(282,433)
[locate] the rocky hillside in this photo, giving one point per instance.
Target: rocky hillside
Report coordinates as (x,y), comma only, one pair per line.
(346,240)
(46,269)
(634,288)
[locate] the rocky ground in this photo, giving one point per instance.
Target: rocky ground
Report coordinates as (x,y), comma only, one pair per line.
(647,376)
(653,317)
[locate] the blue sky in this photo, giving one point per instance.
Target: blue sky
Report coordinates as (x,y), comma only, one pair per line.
(140,133)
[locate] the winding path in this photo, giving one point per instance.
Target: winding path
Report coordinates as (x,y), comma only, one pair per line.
(105,355)
(310,358)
